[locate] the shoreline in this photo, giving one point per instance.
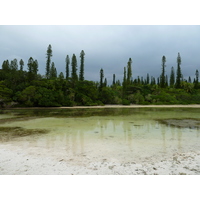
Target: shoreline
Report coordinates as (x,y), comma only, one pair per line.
(16,161)
(112,106)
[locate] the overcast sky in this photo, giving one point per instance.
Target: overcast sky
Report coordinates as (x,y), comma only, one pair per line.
(108,47)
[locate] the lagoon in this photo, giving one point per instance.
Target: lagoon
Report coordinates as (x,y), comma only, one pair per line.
(121,136)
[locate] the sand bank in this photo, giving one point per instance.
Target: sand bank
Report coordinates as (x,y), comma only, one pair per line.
(116,106)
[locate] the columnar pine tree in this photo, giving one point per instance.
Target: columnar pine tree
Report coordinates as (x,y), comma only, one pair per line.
(196,79)
(189,80)
(105,82)
(81,74)
(166,81)
(172,77)
(162,77)
(129,71)
(74,68)
(48,63)
(32,69)
(53,71)
(67,60)
(101,79)
(178,74)
(21,63)
(113,83)
(124,80)
(158,81)
(147,81)
(35,68)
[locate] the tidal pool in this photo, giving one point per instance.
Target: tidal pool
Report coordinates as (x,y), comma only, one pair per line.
(112,134)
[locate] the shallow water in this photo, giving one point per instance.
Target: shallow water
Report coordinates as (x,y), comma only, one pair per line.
(117,134)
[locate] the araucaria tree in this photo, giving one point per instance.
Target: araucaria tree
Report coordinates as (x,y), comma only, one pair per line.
(21,63)
(101,79)
(129,71)
(113,83)
(74,68)
(178,74)
(124,81)
(53,71)
(172,77)
(32,69)
(196,79)
(81,74)
(162,77)
(67,66)
(48,63)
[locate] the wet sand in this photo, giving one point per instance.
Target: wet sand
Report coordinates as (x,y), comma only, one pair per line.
(19,160)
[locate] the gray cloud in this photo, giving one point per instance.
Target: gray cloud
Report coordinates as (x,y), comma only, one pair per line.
(107,47)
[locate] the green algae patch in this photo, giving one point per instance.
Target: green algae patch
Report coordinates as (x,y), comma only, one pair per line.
(182,123)
(7,133)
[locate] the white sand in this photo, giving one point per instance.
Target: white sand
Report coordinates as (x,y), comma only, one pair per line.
(19,160)
(139,106)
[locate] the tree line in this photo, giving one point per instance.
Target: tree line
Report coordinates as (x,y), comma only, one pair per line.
(19,87)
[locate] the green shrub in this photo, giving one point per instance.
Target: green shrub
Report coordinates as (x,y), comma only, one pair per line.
(125,102)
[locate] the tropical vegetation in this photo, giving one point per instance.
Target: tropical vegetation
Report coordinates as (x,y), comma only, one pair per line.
(19,87)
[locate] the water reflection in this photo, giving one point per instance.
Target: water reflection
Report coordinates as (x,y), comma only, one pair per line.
(126,135)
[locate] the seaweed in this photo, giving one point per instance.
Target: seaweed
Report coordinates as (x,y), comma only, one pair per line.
(7,133)
(181,123)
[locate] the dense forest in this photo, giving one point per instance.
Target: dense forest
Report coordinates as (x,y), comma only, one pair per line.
(19,87)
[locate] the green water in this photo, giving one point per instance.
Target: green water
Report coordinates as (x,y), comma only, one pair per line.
(106,133)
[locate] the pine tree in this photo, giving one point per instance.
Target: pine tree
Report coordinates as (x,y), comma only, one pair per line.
(153,81)
(147,81)
(30,65)
(189,80)
(101,79)
(35,68)
(105,82)
(48,63)
(67,66)
(196,79)
(13,64)
(172,77)
(158,81)
(61,76)
(142,81)
(81,74)
(74,68)
(129,71)
(162,77)
(113,83)
(30,69)
(124,80)
(21,63)
(6,65)
(166,81)
(53,71)
(178,74)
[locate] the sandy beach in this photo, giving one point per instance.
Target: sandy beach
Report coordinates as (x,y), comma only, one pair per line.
(117,106)
(15,160)
(18,159)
